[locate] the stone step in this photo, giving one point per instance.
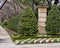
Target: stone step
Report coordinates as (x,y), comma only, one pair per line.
(5,41)
(3,37)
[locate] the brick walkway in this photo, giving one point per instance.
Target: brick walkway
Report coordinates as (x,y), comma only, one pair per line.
(6,42)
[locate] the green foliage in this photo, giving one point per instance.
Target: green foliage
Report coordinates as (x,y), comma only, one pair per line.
(26,2)
(18,37)
(31,2)
(4,23)
(53,21)
(24,24)
(27,23)
(13,23)
(59,7)
(42,2)
(36,2)
(15,37)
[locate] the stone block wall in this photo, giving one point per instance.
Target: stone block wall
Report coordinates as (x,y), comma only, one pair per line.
(42,13)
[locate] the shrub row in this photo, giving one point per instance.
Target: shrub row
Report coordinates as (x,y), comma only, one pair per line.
(25,24)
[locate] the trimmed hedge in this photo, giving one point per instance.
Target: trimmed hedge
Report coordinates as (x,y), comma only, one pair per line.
(24,24)
(28,23)
(13,23)
(53,21)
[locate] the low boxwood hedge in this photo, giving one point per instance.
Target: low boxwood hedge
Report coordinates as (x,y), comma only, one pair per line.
(18,37)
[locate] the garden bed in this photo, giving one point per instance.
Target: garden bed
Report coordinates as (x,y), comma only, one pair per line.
(37,41)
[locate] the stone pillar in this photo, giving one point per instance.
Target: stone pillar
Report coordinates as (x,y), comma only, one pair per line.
(42,13)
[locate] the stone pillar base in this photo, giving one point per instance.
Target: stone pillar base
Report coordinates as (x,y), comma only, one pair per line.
(42,13)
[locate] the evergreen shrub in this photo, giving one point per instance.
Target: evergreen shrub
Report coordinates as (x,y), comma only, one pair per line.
(53,21)
(13,23)
(27,23)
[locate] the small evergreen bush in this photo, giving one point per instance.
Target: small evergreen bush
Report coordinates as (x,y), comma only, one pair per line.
(53,21)
(4,23)
(27,23)
(13,23)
